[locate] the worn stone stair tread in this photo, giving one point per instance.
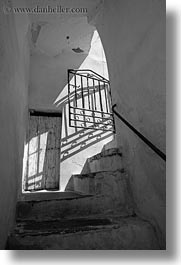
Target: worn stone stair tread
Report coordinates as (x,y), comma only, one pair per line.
(93,174)
(79,196)
(61,226)
(88,176)
(83,206)
(85,233)
(107,152)
(44,196)
(109,192)
(107,160)
(69,225)
(114,185)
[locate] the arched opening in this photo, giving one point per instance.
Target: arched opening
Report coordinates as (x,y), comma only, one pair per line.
(52,155)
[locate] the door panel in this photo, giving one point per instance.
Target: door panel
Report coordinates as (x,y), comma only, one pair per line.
(43,158)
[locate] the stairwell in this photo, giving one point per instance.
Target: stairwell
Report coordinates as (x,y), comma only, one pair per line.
(100,216)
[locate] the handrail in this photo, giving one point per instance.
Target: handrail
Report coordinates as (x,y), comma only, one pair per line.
(142,137)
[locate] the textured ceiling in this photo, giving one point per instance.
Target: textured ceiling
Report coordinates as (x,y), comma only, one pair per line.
(53,34)
(58,43)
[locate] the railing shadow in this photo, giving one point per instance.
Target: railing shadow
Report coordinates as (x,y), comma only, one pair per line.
(74,140)
(41,156)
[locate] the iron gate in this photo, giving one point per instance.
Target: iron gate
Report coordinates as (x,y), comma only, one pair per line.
(89,98)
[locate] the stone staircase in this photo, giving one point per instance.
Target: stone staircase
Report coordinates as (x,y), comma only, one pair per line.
(100,217)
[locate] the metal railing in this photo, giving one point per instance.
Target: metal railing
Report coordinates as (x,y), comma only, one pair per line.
(141,136)
(89,98)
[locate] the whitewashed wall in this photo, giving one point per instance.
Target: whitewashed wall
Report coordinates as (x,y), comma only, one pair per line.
(133,36)
(13,104)
(48,89)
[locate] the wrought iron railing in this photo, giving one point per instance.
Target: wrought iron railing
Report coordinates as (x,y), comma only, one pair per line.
(90,106)
(141,136)
(89,97)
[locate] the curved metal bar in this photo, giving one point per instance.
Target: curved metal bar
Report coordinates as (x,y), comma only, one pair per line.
(88,70)
(142,137)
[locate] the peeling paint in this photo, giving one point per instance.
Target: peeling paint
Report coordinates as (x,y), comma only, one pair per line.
(77,50)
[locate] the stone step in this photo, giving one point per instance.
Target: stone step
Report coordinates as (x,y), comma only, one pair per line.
(107,160)
(77,207)
(108,192)
(84,233)
(48,195)
(114,184)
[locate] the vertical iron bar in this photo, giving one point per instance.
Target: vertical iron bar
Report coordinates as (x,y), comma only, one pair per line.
(82,92)
(100,97)
(108,97)
(68,87)
(83,105)
(93,113)
(69,98)
(75,101)
(65,120)
(75,83)
(105,97)
(74,111)
(88,92)
(92,100)
(94,94)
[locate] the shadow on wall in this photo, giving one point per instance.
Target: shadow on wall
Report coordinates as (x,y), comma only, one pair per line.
(42,154)
(51,141)
(73,139)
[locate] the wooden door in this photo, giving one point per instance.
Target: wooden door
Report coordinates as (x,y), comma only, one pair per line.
(43,153)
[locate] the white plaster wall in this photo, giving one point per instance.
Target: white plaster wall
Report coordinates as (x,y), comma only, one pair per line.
(13,103)
(133,36)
